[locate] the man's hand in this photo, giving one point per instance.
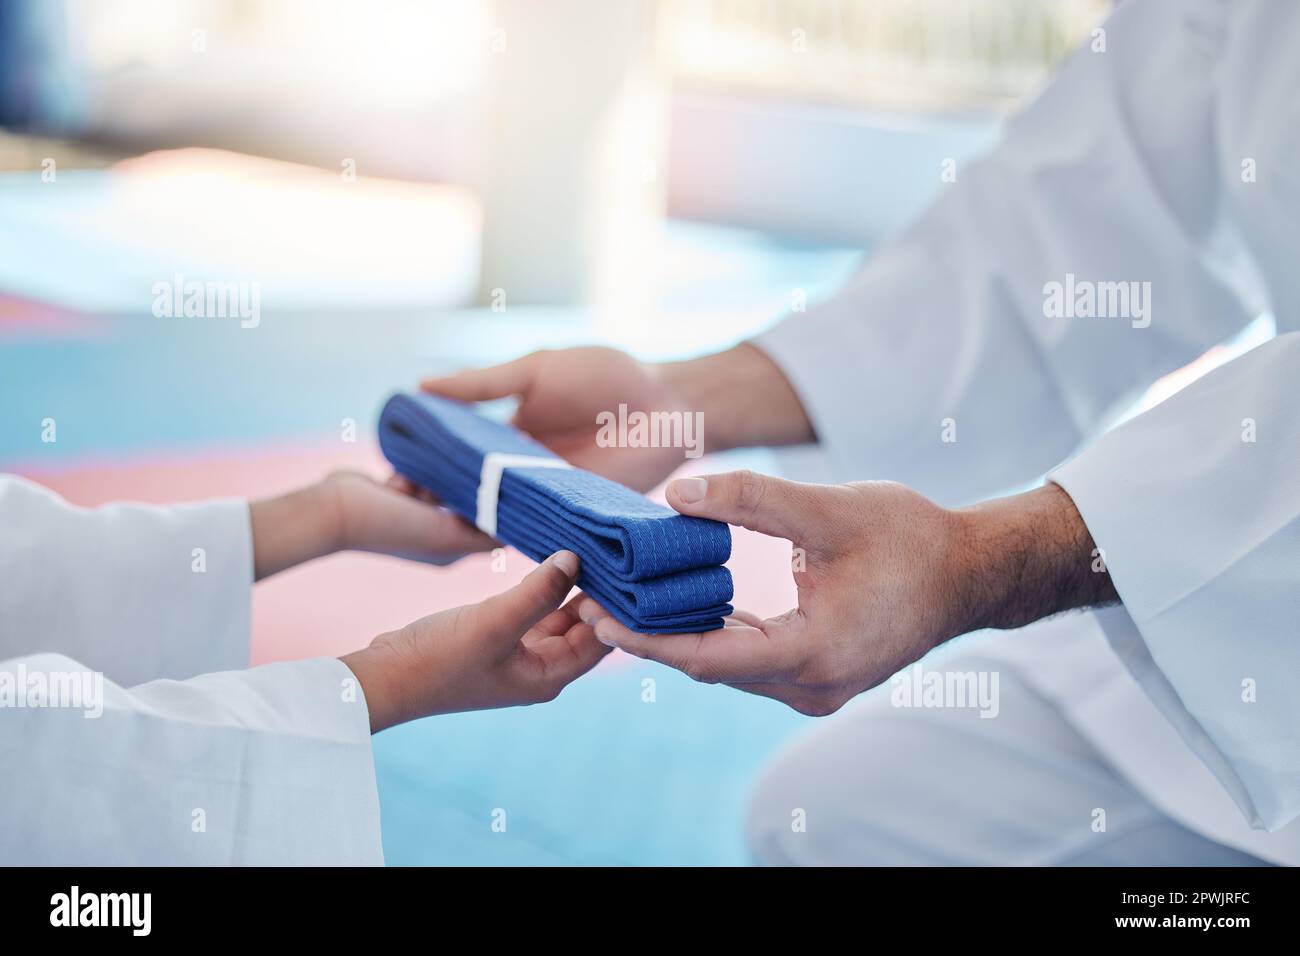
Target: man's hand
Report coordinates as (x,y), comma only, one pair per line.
(561,393)
(883,575)
(518,647)
(742,395)
(348,511)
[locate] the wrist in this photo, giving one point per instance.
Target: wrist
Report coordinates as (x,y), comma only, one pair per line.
(292,528)
(744,397)
(1022,558)
(381,684)
(688,384)
(329,505)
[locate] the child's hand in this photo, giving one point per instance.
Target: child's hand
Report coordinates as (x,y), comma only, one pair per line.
(399,519)
(519,647)
(349,511)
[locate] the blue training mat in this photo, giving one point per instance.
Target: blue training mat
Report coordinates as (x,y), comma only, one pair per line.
(658,572)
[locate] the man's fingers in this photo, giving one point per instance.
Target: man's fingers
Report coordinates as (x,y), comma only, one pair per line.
(735,653)
(761,503)
(507,616)
(589,610)
(485,384)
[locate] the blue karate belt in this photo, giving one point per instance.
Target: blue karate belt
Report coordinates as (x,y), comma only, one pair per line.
(656,571)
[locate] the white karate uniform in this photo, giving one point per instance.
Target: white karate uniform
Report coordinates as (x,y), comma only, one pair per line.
(270,765)
(1169,158)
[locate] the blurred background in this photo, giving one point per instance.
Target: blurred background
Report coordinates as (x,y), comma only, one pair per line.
(416,186)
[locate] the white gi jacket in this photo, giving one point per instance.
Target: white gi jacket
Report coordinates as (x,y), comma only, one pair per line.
(1169,158)
(270,765)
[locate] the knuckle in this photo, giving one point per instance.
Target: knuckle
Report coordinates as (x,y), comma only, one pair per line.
(750,488)
(827,508)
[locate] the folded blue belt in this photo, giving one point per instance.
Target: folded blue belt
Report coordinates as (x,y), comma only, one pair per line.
(658,572)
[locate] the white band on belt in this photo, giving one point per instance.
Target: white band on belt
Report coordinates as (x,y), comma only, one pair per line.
(489,482)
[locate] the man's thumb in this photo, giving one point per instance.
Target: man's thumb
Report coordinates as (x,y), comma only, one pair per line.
(761,503)
(506,616)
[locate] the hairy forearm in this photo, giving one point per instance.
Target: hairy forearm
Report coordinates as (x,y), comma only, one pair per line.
(745,398)
(292,528)
(1023,558)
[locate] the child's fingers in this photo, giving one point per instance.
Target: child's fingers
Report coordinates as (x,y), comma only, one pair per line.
(586,650)
(589,610)
(408,526)
(406,486)
(505,617)
(559,620)
(564,658)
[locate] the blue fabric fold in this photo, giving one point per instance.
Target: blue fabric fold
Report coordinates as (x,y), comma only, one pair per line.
(657,571)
